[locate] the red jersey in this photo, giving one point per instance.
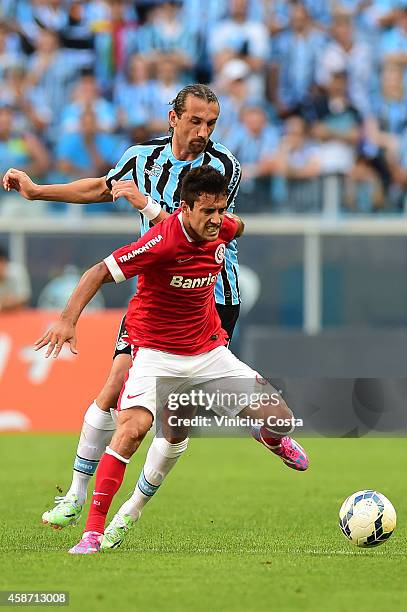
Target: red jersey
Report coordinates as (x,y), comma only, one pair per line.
(174,307)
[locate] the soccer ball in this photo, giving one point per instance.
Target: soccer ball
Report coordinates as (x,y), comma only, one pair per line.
(367,518)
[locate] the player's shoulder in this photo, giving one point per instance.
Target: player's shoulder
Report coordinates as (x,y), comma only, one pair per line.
(146,147)
(159,140)
(223,156)
(154,143)
(230,220)
(229,227)
(218,147)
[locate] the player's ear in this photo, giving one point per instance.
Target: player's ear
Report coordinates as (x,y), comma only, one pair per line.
(184,206)
(172,117)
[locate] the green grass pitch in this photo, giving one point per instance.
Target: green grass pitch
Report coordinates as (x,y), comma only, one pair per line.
(231,529)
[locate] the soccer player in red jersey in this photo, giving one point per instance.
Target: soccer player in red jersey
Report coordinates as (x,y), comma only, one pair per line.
(149,176)
(173,321)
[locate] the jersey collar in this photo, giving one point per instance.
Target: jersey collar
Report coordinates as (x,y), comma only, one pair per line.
(188,237)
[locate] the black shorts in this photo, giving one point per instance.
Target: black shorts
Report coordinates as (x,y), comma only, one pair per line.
(123,346)
(228,316)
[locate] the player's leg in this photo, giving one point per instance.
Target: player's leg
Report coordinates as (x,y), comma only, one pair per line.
(163,454)
(133,423)
(97,430)
(277,423)
(231,376)
(132,426)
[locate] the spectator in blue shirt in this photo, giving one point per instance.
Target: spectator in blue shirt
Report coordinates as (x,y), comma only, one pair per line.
(203,16)
(10,54)
(235,90)
(297,163)
(347,53)
(165,87)
(239,37)
(31,18)
(21,150)
(50,75)
(337,125)
(86,94)
(389,110)
(134,92)
(166,34)
(77,37)
(294,57)
(393,44)
(254,141)
(87,151)
(30,112)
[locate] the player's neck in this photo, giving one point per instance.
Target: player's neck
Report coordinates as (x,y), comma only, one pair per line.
(194,237)
(182,153)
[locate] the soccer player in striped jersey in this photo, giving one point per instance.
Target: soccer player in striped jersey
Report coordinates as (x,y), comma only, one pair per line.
(149,175)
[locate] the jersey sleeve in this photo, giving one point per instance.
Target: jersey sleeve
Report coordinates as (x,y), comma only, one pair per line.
(124,167)
(234,183)
(233,173)
(229,228)
(150,251)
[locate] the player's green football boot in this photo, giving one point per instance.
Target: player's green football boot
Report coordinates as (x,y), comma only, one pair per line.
(67,511)
(116,531)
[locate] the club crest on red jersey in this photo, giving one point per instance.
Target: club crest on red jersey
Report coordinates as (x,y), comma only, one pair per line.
(220,253)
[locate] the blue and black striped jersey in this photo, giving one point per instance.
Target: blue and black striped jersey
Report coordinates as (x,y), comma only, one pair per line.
(159,174)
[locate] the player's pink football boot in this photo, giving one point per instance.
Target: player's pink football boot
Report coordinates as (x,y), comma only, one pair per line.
(289,451)
(89,544)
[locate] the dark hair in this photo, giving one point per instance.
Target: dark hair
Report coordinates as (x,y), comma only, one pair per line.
(204,179)
(203,92)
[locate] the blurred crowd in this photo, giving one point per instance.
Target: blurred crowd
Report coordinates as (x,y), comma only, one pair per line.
(308,90)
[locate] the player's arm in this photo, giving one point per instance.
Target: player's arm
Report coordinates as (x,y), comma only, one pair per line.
(144,204)
(64,330)
(240,224)
(83,191)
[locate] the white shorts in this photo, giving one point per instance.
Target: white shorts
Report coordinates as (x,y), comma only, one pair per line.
(226,385)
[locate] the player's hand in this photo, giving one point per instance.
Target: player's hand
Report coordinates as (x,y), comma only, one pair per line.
(128,190)
(21,182)
(59,333)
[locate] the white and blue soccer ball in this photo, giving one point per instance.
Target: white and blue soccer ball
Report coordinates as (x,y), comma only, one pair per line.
(367,518)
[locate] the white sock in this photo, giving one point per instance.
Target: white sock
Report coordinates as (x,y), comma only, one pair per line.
(161,458)
(96,433)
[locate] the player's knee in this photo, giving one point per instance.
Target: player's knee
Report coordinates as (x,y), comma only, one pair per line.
(137,431)
(135,428)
